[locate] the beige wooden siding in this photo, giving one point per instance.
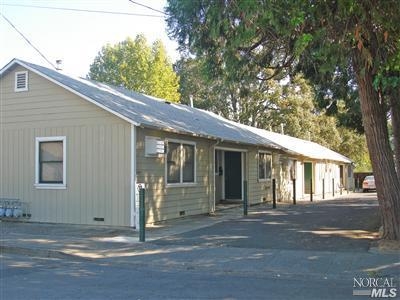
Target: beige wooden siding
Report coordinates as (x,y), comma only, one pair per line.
(46,105)
(259,191)
(167,202)
(97,154)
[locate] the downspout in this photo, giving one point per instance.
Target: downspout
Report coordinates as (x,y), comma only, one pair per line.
(134,211)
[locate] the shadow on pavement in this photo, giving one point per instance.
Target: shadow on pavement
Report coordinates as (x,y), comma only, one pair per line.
(336,225)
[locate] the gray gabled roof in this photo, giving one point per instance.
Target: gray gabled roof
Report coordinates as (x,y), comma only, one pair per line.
(296,146)
(301,147)
(150,112)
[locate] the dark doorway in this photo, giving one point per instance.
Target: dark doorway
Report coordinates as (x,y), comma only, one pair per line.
(233,175)
(308,174)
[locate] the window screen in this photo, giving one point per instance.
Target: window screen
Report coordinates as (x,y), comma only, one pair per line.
(173,163)
(264,166)
(180,163)
(51,162)
(188,163)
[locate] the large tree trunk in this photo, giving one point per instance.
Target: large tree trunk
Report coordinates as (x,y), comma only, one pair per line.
(376,131)
(395,113)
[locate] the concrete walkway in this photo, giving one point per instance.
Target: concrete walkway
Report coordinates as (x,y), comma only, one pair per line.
(65,240)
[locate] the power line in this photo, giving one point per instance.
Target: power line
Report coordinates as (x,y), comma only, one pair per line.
(86,10)
(148,7)
(28,41)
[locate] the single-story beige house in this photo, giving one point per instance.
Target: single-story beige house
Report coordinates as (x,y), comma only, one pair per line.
(73,150)
(304,160)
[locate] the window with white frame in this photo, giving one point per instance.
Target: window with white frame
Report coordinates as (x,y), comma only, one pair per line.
(21,81)
(181,162)
(50,162)
(264,166)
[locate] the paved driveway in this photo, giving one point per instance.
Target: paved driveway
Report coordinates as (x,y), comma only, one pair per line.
(338,225)
(308,251)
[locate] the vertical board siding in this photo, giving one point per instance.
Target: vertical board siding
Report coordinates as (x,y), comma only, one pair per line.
(97,160)
(166,202)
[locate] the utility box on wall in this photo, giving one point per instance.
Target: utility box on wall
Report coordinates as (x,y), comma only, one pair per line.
(154,146)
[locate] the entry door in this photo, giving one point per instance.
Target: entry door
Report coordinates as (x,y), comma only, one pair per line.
(233,175)
(307,177)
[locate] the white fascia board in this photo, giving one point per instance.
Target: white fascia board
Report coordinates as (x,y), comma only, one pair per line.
(8,66)
(133,211)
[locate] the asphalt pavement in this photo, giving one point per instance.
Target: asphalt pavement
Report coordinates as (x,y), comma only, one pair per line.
(321,245)
(349,224)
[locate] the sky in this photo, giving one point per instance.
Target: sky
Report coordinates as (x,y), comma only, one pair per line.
(76,37)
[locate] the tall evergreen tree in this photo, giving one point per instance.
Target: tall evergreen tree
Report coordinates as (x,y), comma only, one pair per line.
(242,38)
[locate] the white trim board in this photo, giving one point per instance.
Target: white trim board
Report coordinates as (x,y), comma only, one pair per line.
(134,211)
(58,186)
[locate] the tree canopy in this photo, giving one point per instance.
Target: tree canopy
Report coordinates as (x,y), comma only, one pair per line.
(137,66)
(287,106)
(342,45)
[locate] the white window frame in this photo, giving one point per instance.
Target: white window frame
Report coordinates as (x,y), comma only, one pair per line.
(39,185)
(258,167)
(24,89)
(181,183)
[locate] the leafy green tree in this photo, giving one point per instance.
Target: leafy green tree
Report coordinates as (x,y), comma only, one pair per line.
(292,105)
(137,66)
(164,81)
(273,105)
(194,85)
(238,39)
(333,89)
(239,101)
(354,145)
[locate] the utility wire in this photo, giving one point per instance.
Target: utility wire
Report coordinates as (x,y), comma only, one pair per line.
(148,7)
(28,41)
(86,10)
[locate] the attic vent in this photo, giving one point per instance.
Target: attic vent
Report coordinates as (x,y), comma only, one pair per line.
(21,81)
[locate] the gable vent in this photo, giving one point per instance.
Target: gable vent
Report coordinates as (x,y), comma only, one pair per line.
(21,81)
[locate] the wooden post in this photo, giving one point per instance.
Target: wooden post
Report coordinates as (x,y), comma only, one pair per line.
(142,215)
(294,191)
(273,193)
(245,204)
